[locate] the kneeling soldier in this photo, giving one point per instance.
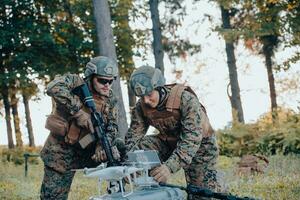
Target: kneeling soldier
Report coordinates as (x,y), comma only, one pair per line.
(185,140)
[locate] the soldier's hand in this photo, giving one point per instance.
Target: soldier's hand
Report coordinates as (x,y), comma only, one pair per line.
(161,173)
(121,147)
(116,153)
(83,120)
(100,155)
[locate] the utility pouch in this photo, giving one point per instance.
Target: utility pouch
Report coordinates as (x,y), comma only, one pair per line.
(57,125)
(205,125)
(76,134)
(73,134)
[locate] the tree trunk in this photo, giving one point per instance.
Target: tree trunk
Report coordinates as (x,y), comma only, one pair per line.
(14,107)
(157,37)
(268,52)
(269,44)
(7,116)
(28,121)
(125,43)
(107,48)
(235,99)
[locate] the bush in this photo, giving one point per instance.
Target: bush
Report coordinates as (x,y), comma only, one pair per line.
(262,137)
(17,155)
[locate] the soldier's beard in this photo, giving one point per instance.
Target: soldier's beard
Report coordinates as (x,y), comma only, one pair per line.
(100,91)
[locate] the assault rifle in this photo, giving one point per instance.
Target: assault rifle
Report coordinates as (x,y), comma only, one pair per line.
(204,192)
(86,98)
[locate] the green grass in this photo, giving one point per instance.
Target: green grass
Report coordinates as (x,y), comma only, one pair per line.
(281,180)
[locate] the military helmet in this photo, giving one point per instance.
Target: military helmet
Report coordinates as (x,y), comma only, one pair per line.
(102,66)
(145,79)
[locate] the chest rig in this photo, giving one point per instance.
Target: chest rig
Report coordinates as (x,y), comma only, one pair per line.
(167,118)
(78,134)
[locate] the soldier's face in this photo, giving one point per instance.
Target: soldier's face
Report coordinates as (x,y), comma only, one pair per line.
(102,84)
(152,99)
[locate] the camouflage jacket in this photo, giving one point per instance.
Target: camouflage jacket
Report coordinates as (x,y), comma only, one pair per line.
(67,104)
(190,133)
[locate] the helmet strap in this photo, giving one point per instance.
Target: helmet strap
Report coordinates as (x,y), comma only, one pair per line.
(162,95)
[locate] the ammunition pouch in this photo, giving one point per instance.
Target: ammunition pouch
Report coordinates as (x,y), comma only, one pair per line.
(208,131)
(60,127)
(73,134)
(57,125)
(77,134)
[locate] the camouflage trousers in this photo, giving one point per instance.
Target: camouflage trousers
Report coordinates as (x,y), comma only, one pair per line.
(59,159)
(200,172)
(56,185)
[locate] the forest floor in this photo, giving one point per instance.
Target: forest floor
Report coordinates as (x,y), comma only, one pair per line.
(280,181)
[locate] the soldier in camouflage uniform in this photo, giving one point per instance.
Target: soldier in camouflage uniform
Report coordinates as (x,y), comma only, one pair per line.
(185,139)
(70,144)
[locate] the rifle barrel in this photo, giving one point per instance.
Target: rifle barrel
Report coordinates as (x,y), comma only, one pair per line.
(204,192)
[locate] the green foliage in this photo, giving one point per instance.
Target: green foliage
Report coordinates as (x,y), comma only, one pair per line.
(271,22)
(238,140)
(16,155)
(175,45)
(120,12)
(263,137)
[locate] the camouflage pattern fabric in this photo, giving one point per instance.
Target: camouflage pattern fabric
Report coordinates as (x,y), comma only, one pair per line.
(60,90)
(195,154)
(56,185)
(59,157)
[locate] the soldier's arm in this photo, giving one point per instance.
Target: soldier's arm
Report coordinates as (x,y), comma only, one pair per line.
(112,120)
(60,90)
(191,133)
(138,128)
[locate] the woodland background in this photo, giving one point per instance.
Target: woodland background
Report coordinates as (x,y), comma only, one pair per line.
(40,39)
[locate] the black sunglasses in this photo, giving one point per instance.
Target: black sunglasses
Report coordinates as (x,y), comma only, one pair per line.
(104,81)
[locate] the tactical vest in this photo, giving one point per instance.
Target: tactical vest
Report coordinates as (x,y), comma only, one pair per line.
(167,120)
(63,125)
(83,136)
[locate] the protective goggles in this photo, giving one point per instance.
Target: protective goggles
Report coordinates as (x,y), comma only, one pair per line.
(104,81)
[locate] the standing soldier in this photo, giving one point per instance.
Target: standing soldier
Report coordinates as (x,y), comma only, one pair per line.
(186,138)
(70,144)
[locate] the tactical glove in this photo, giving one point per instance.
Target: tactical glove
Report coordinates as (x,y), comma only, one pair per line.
(100,155)
(83,120)
(121,147)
